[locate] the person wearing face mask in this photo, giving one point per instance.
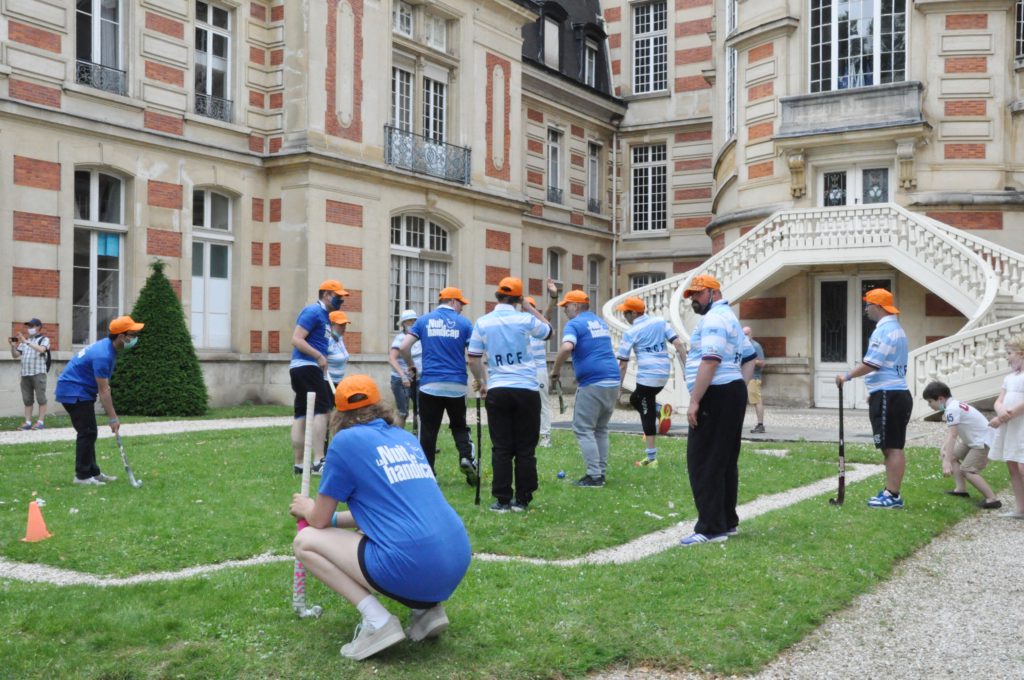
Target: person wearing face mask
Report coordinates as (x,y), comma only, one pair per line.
(719,364)
(308,370)
(32,352)
(86,377)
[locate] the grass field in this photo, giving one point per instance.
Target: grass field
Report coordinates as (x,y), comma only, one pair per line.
(213,496)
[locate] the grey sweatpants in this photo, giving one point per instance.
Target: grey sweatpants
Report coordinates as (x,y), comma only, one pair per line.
(590,416)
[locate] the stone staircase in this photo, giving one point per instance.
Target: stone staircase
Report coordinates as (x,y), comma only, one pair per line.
(983,281)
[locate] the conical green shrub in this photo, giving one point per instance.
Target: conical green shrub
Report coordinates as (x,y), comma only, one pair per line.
(161,375)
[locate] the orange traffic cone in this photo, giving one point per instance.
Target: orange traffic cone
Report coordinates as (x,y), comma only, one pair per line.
(36,529)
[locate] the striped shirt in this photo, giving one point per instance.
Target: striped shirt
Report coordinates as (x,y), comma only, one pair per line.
(504,335)
(887,354)
(32,361)
(337,358)
(720,337)
(648,337)
(416,351)
(539,350)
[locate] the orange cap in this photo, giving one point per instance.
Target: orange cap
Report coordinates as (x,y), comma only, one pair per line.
(510,285)
(632,304)
(452,293)
(574,296)
(125,324)
(333,286)
(882,298)
(338,317)
(702,282)
(356,391)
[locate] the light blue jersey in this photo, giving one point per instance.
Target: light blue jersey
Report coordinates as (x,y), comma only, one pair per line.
(718,336)
(648,337)
(504,336)
(593,358)
(887,353)
(416,351)
(539,350)
(337,358)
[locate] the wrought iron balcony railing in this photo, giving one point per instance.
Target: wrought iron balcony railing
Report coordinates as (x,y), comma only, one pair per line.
(554,195)
(408,150)
(594,205)
(101,77)
(213,107)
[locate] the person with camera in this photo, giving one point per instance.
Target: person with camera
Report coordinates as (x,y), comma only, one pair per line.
(32,350)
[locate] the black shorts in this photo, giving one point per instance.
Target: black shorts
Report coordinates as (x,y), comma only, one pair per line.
(310,379)
(889,412)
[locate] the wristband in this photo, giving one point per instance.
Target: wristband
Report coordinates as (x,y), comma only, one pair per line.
(112,421)
(846,377)
(334,520)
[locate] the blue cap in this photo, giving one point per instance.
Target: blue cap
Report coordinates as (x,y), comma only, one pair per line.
(34,322)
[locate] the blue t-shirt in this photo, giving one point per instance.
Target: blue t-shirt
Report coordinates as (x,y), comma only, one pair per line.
(719,336)
(887,353)
(77,382)
(593,359)
(504,335)
(314,319)
(418,548)
(649,336)
(444,334)
(337,359)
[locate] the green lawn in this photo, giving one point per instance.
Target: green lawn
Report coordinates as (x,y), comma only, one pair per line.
(58,417)
(211,496)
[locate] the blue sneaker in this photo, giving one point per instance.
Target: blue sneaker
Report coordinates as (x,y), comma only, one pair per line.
(886,500)
(697,539)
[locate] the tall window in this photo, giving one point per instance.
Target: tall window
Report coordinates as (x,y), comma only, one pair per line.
(401,99)
(1019,51)
(98,45)
(98,268)
(420,262)
(650,47)
(590,64)
(730,76)
(551,44)
(645,279)
(594,177)
(211,269)
(435,97)
(594,282)
(857,43)
(649,187)
(554,166)
(555,274)
(213,61)
(401,18)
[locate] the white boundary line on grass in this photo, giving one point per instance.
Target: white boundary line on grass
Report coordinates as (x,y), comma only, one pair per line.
(637,549)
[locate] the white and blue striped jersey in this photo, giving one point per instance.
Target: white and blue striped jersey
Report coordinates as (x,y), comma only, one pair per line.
(718,335)
(539,350)
(416,351)
(337,359)
(504,336)
(648,337)
(887,354)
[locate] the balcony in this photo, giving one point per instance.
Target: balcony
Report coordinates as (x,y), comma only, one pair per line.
(410,151)
(882,106)
(101,77)
(214,107)
(594,205)
(554,195)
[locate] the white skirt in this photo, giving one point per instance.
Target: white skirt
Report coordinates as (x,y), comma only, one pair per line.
(1009,440)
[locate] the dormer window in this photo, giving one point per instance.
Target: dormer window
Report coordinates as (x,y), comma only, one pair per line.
(436,32)
(590,64)
(551,45)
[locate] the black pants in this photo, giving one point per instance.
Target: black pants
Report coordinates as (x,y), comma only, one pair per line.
(643,400)
(432,410)
(513,418)
(712,456)
(83,417)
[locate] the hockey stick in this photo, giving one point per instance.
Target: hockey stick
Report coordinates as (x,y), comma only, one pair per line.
(299,576)
(841,496)
(561,397)
(136,483)
(414,386)
(479,453)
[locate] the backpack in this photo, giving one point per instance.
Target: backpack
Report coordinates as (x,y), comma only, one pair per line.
(46,357)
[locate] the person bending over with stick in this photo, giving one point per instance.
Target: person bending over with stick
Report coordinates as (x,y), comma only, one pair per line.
(409,544)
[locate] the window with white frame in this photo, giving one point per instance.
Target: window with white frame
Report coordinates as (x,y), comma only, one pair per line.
(98,263)
(649,188)
(555,274)
(420,263)
(644,279)
(732,11)
(1019,50)
(594,281)
(857,43)
(854,185)
(213,61)
(401,18)
(554,165)
(435,102)
(401,99)
(650,47)
(593,177)
(98,45)
(211,269)
(551,43)
(435,32)
(730,93)
(590,64)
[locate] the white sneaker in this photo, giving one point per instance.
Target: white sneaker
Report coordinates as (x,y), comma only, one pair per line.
(368,641)
(545,442)
(105,478)
(426,623)
(90,481)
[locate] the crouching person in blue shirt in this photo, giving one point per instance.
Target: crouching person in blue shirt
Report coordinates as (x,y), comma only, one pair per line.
(413,547)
